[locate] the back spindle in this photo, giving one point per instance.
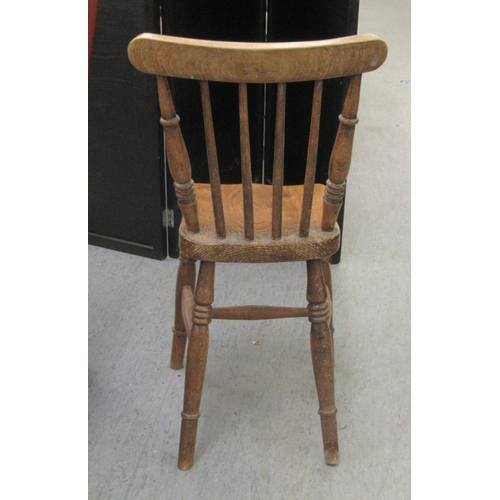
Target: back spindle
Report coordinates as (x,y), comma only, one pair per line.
(246,164)
(213,163)
(177,155)
(312,156)
(340,159)
(279,154)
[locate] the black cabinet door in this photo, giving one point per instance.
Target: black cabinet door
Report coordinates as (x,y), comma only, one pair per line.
(126,173)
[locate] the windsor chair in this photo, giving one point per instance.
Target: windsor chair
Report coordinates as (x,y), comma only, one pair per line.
(255,223)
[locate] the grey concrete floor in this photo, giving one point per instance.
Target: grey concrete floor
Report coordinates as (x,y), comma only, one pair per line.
(259,434)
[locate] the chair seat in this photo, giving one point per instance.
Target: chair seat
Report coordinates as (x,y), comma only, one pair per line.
(205,245)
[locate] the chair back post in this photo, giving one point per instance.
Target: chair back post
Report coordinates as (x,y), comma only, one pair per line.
(178,158)
(340,159)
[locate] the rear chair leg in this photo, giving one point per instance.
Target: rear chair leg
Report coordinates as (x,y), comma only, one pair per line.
(196,363)
(327,275)
(322,357)
(186,275)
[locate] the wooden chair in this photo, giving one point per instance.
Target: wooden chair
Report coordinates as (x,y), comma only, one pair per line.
(254,222)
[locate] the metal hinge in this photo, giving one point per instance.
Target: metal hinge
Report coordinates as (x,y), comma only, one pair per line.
(168,218)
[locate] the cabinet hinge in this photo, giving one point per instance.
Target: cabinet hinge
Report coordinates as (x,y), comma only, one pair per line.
(168,218)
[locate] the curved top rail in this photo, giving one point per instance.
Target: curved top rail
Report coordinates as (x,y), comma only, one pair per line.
(256,62)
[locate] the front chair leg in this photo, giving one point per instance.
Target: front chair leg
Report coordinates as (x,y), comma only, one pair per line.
(322,357)
(196,363)
(186,275)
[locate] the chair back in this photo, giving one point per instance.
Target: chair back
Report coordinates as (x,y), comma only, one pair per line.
(258,63)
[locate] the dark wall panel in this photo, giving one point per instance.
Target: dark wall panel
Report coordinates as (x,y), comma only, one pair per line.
(126,175)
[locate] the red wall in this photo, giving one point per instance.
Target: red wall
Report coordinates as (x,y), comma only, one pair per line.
(92,18)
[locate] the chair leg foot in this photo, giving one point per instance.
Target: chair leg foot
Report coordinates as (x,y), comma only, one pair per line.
(329,432)
(332,457)
(189,430)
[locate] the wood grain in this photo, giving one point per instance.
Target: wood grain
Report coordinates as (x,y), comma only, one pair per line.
(246,162)
(256,62)
(187,308)
(312,155)
(340,160)
(258,312)
(279,156)
(196,363)
(322,357)
(186,276)
(213,163)
(177,155)
(235,248)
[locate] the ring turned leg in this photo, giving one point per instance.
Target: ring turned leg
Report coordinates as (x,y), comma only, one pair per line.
(322,357)
(196,363)
(186,275)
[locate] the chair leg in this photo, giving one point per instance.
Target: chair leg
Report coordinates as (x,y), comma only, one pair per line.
(186,275)
(196,363)
(327,275)
(322,357)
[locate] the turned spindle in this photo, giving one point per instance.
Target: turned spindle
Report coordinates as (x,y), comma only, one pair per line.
(178,158)
(246,163)
(196,363)
(340,159)
(322,357)
(213,162)
(278,167)
(312,156)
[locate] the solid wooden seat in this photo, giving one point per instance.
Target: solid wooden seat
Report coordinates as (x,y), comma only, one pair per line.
(252,222)
(206,245)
